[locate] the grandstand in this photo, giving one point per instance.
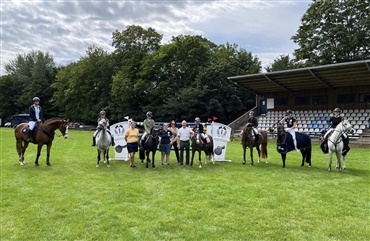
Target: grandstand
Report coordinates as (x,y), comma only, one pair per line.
(311,93)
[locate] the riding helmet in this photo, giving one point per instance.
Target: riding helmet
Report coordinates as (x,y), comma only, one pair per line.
(251,113)
(36,99)
(197,119)
(337,110)
(289,112)
(102,112)
(149,113)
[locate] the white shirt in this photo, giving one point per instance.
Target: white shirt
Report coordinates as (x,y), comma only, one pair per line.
(184,133)
(37,112)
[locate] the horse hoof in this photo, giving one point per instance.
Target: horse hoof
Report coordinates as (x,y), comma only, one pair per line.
(200,166)
(36,164)
(267,162)
(21,163)
(105,161)
(243,163)
(48,164)
(97,165)
(108,165)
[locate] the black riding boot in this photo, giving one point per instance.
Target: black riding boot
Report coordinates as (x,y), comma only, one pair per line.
(29,133)
(256,139)
(324,145)
(345,145)
(94,142)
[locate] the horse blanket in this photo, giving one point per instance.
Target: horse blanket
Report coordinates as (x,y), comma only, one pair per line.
(303,141)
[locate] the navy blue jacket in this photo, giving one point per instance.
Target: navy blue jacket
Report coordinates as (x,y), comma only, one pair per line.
(32,113)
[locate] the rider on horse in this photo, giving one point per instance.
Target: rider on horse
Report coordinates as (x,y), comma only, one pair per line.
(148,125)
(333,122)
(35,112)
(253,123)
(102,116)
(200,129)
(291,124)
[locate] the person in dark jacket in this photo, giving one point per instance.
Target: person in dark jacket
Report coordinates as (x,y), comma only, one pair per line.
(36,116)
(252,122)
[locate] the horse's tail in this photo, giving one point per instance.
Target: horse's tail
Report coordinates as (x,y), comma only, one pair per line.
(263,150)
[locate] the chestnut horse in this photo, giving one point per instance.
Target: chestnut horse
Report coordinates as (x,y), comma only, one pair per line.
(198,145)
(44,136)
(248,141)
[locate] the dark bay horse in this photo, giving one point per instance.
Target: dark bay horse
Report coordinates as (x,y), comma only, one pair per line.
(103,141)
(150,145)
(248,141)
(44,136)
(285,144)
(198,145)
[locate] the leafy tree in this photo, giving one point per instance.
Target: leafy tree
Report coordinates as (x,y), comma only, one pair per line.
(82,89)
(33,73)
(284,62)
(334,32)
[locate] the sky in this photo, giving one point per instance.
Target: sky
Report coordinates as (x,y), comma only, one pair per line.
(65,29)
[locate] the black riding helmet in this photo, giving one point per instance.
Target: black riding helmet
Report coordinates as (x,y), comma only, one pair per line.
(289,112)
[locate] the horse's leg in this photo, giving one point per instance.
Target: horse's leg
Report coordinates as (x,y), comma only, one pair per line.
(259,153)
(264,149)
(200,159)
(39,146)
(21,149)
(251,154)
(344,162)
(330,160)
(303,152)
(97,164)
(107,157)
(192,157)
(339,156)
(48,148)
(153,155)
(244,150)
(147,159)
(283,157)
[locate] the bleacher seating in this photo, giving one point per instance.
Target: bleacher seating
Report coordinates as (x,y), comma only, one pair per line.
(313,122)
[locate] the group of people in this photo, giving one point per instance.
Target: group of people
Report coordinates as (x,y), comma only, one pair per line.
(170,136)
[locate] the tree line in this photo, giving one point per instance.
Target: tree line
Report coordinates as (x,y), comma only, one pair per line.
(182,79)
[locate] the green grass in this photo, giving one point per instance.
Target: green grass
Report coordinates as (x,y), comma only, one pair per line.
(74,200)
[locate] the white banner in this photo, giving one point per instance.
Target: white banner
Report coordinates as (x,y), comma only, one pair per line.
(221,135)
(118,131)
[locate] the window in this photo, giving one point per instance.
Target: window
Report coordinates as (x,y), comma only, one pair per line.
(281,101)
(320,100)
(346,99)
(364,98)
(302,100)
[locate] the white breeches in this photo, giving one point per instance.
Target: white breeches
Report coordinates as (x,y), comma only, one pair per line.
(328,132)
(292,132)
(32,124)
(144,135)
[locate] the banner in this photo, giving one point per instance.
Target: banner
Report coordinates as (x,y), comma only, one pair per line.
(221,135)
(118,132)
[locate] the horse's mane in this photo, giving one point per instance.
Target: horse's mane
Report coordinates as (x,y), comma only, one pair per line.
(52,120)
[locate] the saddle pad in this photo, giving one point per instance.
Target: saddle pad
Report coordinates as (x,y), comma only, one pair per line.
(303,141)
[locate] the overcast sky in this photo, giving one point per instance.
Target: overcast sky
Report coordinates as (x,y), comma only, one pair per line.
(65,29)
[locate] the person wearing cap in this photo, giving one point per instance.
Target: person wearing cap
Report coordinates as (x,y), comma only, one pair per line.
(252,122)
(198,128)
(148,125)
(333,122)
(291,123)
(36,116)
(102,116)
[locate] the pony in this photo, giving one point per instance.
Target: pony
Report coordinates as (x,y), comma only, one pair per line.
(150,145)
(198,145)
(335,144)
(248,141)
(103,141)
(44,135)
(285,144)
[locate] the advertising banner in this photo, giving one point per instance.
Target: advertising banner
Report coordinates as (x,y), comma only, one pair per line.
(221,135)
(118,131)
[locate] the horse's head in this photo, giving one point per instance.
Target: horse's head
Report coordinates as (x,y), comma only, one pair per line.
(63,128)
(280,133)
(347,127)
(102,124)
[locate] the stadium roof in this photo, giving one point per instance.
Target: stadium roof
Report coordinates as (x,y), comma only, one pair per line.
(355,73)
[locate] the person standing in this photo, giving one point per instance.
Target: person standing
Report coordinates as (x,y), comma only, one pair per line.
(183,140)
(166,138)
(132,139)
(291,123)
(102,116)
(36,116)
(174,131)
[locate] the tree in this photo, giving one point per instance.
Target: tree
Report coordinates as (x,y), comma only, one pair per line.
(284,62)
(334,32)
(34,73)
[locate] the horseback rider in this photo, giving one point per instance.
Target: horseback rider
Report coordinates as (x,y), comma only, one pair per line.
(102,116)
(35,112)
(200,129)
(333,122)
(148,126)
(291,123)
(252,122)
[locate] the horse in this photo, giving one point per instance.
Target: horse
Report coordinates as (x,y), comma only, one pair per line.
(150,145)
(248,141)
(103,141)
(285,144)
(44,136)
(198,145)
(335,144)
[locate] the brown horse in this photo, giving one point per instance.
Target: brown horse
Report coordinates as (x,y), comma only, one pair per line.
(248,141)
(198,145)
(44,136)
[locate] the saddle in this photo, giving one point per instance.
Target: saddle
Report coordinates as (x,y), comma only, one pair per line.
(31,133)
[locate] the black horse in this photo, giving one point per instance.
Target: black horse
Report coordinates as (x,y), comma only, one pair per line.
(285,144)
(150,145)
(198,145)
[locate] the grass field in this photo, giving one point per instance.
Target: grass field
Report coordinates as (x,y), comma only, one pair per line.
(74,200)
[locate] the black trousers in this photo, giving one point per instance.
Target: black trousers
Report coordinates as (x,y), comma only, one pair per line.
(176,148)
(185,145)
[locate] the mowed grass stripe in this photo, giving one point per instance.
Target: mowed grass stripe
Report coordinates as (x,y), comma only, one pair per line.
(74,200)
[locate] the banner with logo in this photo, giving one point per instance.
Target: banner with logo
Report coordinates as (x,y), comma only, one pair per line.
(118,131)
(221,135)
